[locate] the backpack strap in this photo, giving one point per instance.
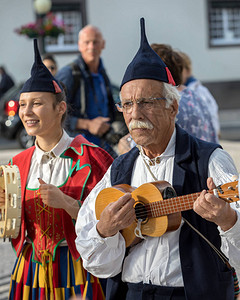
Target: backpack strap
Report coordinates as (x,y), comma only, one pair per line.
(78,82)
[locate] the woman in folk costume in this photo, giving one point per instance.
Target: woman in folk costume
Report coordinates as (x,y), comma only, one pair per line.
(56,175)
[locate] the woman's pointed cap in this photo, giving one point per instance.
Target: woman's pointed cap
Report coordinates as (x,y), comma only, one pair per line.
(41,79)
(147,64)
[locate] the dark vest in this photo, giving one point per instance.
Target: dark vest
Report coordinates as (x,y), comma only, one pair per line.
(205,276)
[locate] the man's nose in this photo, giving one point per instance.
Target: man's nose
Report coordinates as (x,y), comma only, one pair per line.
(91,45)
(136,109)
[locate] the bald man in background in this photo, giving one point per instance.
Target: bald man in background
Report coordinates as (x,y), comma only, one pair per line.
(91,105)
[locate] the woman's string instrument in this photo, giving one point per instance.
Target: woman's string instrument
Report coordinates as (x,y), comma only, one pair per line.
(10,210)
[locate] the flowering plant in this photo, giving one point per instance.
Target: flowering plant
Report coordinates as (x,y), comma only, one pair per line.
(49,26)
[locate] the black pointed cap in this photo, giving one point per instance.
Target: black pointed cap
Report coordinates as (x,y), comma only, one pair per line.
(41,79)
(147,64)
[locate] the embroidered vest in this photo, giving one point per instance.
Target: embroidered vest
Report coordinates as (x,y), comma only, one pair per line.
(44,224)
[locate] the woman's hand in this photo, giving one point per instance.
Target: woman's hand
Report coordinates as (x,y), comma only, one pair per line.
(52,196)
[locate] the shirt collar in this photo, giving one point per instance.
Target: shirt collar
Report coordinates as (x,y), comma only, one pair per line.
(169,151)
(57,150)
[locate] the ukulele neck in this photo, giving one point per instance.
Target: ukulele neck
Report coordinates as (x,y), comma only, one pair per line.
(173,205)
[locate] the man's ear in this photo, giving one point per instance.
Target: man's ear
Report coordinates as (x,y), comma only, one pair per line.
(174,108)
(103,44)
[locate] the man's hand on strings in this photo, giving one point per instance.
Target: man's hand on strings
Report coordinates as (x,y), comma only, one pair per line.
(214,209)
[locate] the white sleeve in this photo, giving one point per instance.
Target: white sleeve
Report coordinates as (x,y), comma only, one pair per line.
(102,257)
(222,168)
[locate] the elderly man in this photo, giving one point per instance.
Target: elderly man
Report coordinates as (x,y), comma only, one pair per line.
(89,96)
(177,264)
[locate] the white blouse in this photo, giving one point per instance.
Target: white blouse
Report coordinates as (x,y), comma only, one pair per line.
(49,166)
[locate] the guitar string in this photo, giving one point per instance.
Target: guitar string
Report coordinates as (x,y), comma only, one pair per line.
(164,207)
(141,213)
(172,202)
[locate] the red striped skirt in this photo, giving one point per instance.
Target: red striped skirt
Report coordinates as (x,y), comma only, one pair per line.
(59,279)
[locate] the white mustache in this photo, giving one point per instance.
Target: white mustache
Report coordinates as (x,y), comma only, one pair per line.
(140,124)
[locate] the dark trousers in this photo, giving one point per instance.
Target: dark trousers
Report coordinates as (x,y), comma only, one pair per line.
(140,291)
(118,290)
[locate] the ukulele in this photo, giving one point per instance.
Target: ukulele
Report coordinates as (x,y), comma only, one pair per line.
(157,217)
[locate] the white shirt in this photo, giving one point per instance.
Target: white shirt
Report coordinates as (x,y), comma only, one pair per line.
(155,259)
(49,166)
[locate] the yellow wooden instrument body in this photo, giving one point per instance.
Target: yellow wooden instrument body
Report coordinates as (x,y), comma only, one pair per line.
(146,193)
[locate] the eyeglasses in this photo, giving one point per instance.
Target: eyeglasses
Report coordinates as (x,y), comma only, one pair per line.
(143,104)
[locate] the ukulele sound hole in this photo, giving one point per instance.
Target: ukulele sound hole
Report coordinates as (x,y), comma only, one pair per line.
(140,211)
(168,193)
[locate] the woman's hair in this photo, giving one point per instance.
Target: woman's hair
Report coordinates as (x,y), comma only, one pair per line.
(187,63)
(172,59)
(50,57)
(59,98)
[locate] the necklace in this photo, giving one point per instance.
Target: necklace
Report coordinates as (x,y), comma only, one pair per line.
(146,164)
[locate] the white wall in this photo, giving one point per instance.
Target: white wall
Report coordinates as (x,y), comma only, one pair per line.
(180,23)
(16,52)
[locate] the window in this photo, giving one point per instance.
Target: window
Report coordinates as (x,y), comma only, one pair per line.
(73,15)
(224,23)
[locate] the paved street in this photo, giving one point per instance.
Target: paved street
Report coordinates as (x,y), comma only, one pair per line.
(230,124)
(6,265)
(233,148)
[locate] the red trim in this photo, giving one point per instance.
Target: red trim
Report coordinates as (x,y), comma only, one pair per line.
(57,88)
(170,78)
